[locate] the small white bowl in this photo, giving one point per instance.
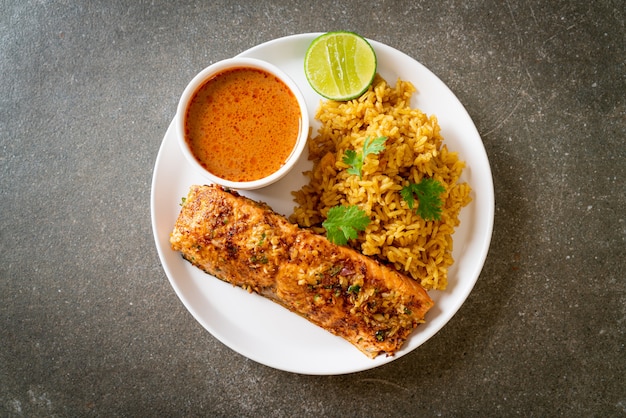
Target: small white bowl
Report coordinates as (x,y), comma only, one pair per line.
(212,71)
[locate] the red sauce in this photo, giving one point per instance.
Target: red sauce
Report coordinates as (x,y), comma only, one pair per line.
(242,124)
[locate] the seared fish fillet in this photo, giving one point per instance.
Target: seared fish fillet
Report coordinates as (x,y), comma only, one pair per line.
(246,244)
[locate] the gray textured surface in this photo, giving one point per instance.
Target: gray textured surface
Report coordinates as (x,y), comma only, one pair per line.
(90,324)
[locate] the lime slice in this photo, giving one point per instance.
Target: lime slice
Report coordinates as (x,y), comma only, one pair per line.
(340,65)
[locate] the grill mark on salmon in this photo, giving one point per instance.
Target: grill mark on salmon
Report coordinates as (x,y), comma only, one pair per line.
(245,243)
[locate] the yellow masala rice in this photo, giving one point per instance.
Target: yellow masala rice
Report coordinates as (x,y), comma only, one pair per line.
(414,150)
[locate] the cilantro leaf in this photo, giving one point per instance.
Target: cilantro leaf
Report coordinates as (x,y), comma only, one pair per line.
(375,146)
(428,192)
(344,222)
(355,160)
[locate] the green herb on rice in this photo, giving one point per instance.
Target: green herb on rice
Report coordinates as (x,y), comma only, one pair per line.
(344,223)
(355,159)
(428,192)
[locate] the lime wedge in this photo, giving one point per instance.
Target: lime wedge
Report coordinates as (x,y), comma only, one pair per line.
(340,65)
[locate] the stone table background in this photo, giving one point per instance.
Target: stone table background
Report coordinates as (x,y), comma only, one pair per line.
(90,325)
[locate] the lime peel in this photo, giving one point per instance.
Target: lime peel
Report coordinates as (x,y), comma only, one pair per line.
(340,65)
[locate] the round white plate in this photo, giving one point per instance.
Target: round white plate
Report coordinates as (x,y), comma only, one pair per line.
(268,333)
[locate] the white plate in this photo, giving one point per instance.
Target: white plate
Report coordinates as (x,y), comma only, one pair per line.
(264,331)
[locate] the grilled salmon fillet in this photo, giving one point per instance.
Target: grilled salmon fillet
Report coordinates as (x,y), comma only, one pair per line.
(245,243)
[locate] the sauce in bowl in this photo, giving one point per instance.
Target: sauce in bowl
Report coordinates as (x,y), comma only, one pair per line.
(242,124)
